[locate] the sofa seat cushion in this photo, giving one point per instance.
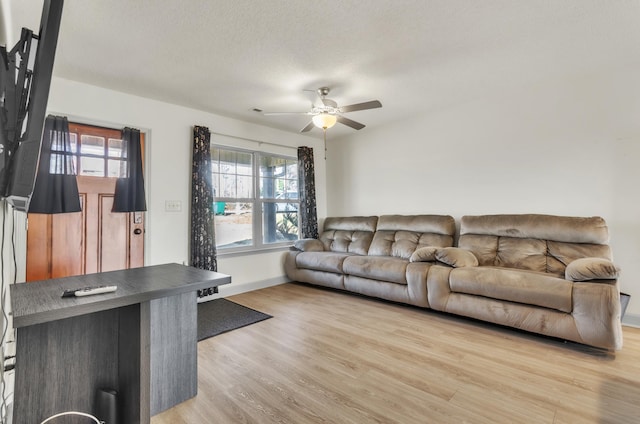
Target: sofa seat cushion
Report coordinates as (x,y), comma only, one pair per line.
(322,261)
(526,287)
(384,268)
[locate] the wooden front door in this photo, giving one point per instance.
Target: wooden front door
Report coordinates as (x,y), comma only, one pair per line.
(95,239)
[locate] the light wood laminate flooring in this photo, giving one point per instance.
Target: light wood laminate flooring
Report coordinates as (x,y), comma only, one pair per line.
(334,357)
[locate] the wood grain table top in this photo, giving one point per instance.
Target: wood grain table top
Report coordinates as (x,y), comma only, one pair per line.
(41,301)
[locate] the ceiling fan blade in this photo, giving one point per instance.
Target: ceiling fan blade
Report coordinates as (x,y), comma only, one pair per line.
(361,106)
(350,123)
(308,127)
(329,102)
(286,113)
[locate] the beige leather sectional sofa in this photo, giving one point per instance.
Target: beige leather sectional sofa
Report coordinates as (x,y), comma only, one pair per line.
(551,275)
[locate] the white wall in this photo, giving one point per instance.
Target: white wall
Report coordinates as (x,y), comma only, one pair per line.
(169,131)
(568,147)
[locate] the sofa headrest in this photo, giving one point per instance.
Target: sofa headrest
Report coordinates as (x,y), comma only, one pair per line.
(544,227)
(401,235)
(351,223)
(436,224)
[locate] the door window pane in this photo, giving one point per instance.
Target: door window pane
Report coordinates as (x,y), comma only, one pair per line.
(117,168)
(116,148)
(91,166)
(73,138)
(91,145)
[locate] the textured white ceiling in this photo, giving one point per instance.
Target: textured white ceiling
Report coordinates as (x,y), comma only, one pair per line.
(230,56)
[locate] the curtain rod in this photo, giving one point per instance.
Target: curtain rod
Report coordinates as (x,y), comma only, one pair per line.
(255,141)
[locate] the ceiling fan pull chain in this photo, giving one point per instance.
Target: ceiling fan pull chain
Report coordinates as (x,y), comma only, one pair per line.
(324,130)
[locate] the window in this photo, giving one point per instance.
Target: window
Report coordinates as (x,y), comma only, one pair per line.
(98,152)
(256,199)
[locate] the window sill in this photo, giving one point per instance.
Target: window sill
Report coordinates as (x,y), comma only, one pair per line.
(257,251)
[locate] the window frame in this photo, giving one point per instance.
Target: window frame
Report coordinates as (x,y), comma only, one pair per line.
(257,201)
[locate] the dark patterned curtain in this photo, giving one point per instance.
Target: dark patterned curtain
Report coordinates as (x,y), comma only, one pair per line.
(203,242)
(129,195)
(307,188)
(56,187)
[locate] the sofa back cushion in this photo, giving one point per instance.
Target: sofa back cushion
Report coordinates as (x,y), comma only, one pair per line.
(401,235)
(348,234)
(543,243)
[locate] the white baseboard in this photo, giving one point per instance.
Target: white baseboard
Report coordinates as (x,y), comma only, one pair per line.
(631,320)
(232,289)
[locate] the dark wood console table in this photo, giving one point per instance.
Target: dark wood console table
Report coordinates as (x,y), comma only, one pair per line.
(140,340)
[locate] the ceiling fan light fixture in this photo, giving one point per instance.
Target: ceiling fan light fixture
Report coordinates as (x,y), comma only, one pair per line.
(324,120)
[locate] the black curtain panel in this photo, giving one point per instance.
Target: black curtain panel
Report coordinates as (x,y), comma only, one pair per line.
(203,240)
(307,189)
(56,187)
(129,195)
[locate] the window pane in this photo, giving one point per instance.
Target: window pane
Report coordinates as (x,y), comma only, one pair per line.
(116,148)
(215,182)
(56,164)
(286,207)
(215,158)
(227,161)
(279,224)
(278,178)
(56,142)
(227,185)
(244,163)
(232,173)
(233,224)
(271,166)
(280,188)
(91,166)
(291,189)
(73,138)
(268,188)
(117,168)
(91,145)
(292,169)
(244,187)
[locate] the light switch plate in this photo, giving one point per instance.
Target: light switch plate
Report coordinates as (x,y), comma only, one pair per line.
(172,205)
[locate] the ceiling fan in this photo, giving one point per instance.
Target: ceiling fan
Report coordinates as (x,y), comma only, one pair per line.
(326,114)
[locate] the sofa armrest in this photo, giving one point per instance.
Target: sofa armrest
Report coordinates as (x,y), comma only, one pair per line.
(308,245)
(424,254)
(456,257)
(452,256)
(585,269)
